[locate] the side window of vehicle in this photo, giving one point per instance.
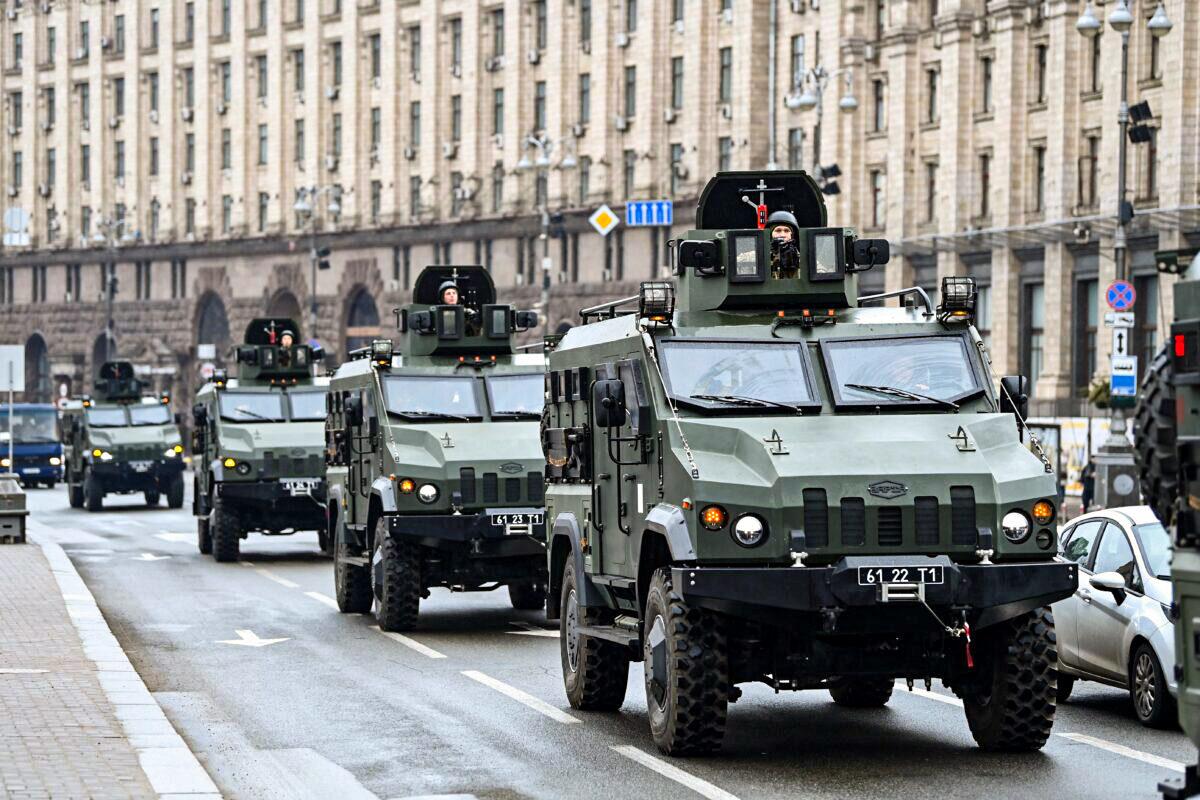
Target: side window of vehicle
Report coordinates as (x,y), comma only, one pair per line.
(1115,555)
(1082,541)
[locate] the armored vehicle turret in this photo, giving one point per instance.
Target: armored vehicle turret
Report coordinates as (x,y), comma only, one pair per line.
(756,474)
(121,440)
(436,477)
(259,441)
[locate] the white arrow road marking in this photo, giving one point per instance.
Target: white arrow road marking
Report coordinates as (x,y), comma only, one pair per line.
(540,706)
(532,630)
(250,639)
(176,537)
(150,557)
(413,644)
(671,772)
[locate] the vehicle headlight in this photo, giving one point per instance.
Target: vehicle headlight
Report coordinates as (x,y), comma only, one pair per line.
(749,531)
(4,462)
(407,486)
(229,462)
(170,452)
(243,468)
(1015,526)
(428,493)
(106,456)
(54,461)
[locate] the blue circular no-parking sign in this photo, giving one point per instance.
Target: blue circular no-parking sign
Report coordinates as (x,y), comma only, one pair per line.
(1120,295)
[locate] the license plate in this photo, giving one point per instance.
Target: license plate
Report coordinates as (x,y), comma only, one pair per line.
(506,520)
(299,486)
(873,576)
(30,471)
(141,466)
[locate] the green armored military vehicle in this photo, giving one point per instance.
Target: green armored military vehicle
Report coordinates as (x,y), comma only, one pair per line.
(259,443)
(435,474)
(764,478)
(119,440)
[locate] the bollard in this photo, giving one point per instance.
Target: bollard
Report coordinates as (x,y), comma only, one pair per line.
(12,510)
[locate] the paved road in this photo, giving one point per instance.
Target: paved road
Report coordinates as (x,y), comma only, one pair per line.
(472,703)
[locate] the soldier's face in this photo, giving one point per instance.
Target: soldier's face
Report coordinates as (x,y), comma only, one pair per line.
(286,340)
(450,297)
(782,233)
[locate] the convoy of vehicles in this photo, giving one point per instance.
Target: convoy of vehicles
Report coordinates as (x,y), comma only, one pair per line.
(435,474)
(37,452)
(120,440)
(258,443)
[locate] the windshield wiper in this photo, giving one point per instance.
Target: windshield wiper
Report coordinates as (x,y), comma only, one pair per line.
(428,414)
(740,399)
(904,393)
(516,415)
(249,413)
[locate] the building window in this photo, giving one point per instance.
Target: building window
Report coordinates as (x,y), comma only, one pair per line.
(676,167)
(298,141)
(1040,67)
(931,171)
(189,216)
(16,110)
(724,154)
(414,124)
(189,152)
(1087,305)
(335,59)
(85,38)
(119,161)
(153,155)
(262,145)
(18,167)
(152,91)
(414,196)
(1145,332)
(376,130)
(725,83)
(262,13)
(336,135)
(585,22)
(629,171)
(189,22)
(154,28)
(541,25)
(932,78)
(226,71)
(798,68)
(226,17)
(1039,178)
(414,52)
(189,87)
(1150,183)
(376,201)
(85,222)
(1089,172)
(541,187)
(85,164)
(1097,79)
(677,82)
(879,107)
(985,84)
(456,46)
(298,70)
(498,112)
(48,95)
(676,10)
(497,32)
(456,199)
(456,118)
(85,102)
(878,199)
(119,34)
(51,166)
(1034,320)
(539,106)
(497,187)
(880,18)
(1154,57)
(376,45)
(585,99)
(226,148)
(985,184)
(298,11)
(18,50)
(226,214)
(260,67)
(630,92)
(119,97)
(795,148)
(585,179)
(264,201)
(51,45)
(631,16)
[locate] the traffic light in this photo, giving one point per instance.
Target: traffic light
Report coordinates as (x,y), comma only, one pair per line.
(321,254)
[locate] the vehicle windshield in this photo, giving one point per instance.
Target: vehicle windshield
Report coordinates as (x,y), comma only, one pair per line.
(30,425)
(149,415)
(252,406)
(517,395)
(900,370)
(419,396)
(106,418)
(720,374)
(307,406)
(1156,547)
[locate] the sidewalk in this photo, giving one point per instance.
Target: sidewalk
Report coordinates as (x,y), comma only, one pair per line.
(76,721)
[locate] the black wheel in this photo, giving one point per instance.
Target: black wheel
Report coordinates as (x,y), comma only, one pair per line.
(93,495)
(526,596)
(50,484)
(152,498)
(687,672)
(226,533)
(595,672)
(1152,702)
(351,583)
(1065,684)
(861,692)
(175,492)
(204,539)
(1011,707)
(1154,431)
(397,581)
(74,494)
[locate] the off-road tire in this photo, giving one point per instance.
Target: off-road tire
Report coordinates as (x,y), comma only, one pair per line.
(351,584)
(74,494)
(861,692)
(152,498)
(601,674)
(204,540)
(1018,659)
(93,496)
(226,533)
(1065,684)
(691,717)
(526,596)
(398,595)
(1160,711)
(175,492)
(1154,431)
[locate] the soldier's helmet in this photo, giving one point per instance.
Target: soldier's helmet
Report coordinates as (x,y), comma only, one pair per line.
(782,217)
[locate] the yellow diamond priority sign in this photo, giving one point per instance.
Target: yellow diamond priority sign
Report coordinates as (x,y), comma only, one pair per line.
(604,220)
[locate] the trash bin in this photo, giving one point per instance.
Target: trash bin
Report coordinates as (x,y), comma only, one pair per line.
(12,510)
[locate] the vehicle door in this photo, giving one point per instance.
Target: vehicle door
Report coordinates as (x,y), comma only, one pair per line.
(1079,545)
(359,480)
(1104,619)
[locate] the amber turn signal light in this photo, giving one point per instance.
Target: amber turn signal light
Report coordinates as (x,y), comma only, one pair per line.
(1043,512)
(713,517)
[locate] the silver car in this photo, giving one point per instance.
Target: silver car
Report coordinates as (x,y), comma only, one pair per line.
(1116,629)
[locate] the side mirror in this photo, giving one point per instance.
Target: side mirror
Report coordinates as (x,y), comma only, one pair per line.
(1014,395)
(608,402)
(1111,582)
(703,255)
(869,253)
(354,410)
(318,352)
(526,320)
(373,427)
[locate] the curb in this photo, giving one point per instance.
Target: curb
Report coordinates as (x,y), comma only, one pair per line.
(169,764)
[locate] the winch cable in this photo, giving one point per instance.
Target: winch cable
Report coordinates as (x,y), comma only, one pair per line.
(687,450)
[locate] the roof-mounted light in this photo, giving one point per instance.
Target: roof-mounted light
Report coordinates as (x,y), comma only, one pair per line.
(959,295)
(656,301)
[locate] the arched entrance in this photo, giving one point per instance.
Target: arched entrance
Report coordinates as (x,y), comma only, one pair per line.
(212,325)
(362,320)
(285,304)
(103,349)
(37,370)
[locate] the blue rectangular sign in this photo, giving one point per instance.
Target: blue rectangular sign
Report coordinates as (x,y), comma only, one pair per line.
(643,213)
(1123,386)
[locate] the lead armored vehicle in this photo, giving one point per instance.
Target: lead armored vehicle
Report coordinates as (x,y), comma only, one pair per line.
(121,440)
(259,443)
(756,475)
(435,474)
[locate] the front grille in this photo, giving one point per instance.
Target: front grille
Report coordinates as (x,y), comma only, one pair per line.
(891,526)
(512,490)
(491,488)
(816,518)
(537,491)
(925,515)
(854,521)
(962,515)
(466,484)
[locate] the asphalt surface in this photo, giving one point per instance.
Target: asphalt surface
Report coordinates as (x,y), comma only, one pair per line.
(472,703)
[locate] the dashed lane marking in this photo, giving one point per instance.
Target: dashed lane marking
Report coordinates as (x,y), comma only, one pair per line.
(271,576)
(322,598)
(528,700)
(176,537)
(674,773)
(532,630)
(412,644)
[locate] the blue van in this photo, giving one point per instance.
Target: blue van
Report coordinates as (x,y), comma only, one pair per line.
(36,446)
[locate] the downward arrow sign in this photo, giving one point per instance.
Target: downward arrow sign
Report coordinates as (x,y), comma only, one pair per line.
(149,557)
(250,639)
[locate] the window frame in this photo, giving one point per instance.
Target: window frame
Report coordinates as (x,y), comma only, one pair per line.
(712,406)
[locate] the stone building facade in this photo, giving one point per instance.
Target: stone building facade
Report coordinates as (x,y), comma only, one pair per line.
(169,140)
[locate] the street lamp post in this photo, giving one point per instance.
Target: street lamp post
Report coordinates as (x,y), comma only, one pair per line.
(543,147)
(111,231)
(1114,460)
(814,83)
(306,207)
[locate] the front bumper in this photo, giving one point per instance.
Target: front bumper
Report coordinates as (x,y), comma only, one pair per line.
(990,592)
(474,532)
(134,476)
(271,504)
(38,472)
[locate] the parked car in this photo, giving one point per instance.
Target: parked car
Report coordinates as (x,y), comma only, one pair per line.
(1116,628)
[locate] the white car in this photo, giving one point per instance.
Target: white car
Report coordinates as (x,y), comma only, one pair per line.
(1116,628)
